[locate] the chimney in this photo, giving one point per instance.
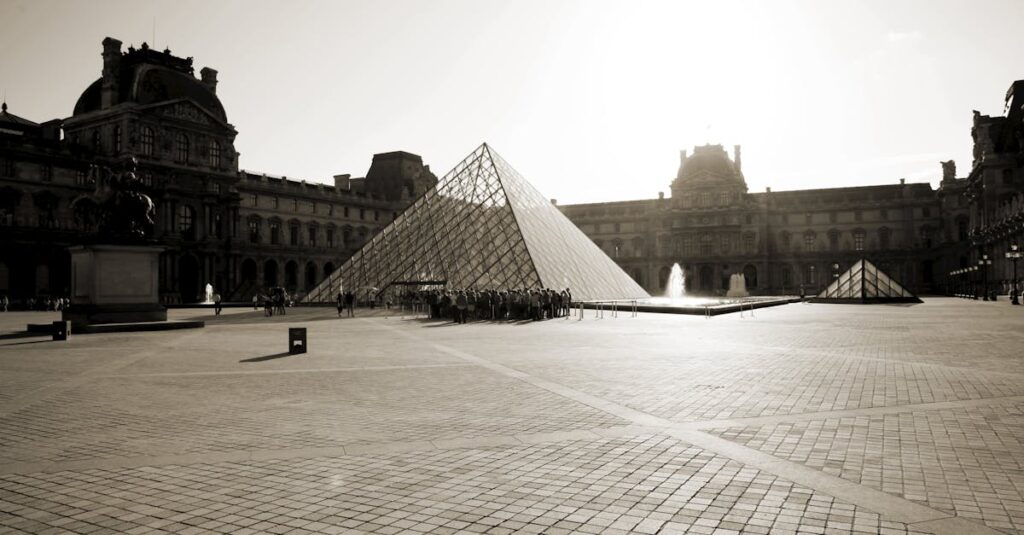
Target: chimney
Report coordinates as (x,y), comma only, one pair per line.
(768,189)
(110,89)
(661,194)
(903,181)
(554,202)
(209,79)
(342,182)
(736,158)
(682,156)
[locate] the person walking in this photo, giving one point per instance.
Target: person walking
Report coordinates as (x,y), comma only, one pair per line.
(350,303)
(217,304)
(461,304)
(255,301)
(340,303)
(4,302)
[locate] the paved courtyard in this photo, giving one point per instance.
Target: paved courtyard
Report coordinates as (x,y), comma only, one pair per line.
(805,418)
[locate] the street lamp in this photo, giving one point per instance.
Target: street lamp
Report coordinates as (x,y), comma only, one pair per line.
(1014,255)
(835,271)
(983,263)
(974,282)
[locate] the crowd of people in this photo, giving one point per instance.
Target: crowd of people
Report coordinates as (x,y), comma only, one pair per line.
(462,305)
(274,301)
(48,303)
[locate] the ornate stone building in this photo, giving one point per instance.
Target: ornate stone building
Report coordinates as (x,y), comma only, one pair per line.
(235,229)
(787,240)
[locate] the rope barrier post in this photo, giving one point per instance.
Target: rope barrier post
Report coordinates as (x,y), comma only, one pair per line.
(634,308)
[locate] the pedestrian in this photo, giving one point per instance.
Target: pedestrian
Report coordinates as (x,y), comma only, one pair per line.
(341,303)
(350,303)
(255,301)
(461,303)
(4,302)
(216,304)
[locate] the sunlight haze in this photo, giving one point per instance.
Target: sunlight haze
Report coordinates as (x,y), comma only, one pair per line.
(591,101)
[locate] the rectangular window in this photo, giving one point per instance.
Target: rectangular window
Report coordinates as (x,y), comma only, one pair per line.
(275,233)
(884,214)
(330,237)
(253,199)
(295,205)
(46,173)
(808,219)
(926,212)
(832,217)
(858,241)
(275,202)
(80,178)
(254,231)
(858,216)
(311,231)
(346,211)
(294,237)
(362,213)
(809,242)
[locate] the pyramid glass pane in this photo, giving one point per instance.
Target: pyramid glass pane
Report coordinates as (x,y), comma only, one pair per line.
(482,226)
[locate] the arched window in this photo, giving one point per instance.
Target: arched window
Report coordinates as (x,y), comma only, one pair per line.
(254,230)
(705,245)
(811,274)
(311,232)
(833,240)
(186,221)
(809,240)
(117,140)
(275,232)
(147,141)
(181,144)
(214,154)
(858,240)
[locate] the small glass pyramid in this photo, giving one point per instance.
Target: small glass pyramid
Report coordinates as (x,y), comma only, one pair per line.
(864,283)
(483,226)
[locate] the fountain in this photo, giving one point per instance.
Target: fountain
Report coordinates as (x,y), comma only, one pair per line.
(737,286)
(676,287)
(209,295)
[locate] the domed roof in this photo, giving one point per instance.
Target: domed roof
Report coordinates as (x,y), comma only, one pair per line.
(709,161)
(147,77)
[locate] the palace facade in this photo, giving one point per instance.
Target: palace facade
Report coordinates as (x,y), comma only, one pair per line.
(785,241)
(235,229)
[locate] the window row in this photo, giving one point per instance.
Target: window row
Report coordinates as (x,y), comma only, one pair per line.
(255,200)
(309,234)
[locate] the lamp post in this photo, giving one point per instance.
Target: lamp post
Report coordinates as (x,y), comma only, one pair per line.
(983,264)
(974,282)
(1014,255)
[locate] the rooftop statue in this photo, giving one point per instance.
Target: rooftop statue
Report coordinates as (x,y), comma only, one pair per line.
(117,208)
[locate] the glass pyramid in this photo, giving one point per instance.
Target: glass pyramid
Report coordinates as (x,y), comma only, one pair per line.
(863,283)
(483,226)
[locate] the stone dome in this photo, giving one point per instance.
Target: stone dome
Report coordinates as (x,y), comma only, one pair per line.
(708,162)
(148,77)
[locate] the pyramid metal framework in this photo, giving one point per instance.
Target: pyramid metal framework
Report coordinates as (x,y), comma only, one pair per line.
(865,283)
(483,226)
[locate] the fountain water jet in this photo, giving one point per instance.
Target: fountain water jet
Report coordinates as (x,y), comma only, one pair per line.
(676,283)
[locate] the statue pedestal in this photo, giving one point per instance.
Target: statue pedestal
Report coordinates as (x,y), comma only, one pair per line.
(114,284)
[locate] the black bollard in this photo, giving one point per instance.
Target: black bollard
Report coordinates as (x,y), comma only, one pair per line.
(296,340)
(61,330)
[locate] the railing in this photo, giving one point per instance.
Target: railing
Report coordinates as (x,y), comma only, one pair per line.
(612,306)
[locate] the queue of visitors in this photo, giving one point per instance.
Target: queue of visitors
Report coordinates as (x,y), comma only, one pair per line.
(462,306)
(32,303)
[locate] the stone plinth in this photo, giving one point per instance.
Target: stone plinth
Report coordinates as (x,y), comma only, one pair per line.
(114,284)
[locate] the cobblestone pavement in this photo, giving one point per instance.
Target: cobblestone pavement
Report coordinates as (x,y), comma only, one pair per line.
(803,419)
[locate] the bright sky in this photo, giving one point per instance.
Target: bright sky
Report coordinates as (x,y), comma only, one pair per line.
(590,100)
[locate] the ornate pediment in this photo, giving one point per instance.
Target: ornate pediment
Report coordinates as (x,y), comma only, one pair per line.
(189,111)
